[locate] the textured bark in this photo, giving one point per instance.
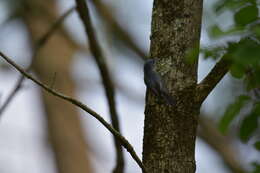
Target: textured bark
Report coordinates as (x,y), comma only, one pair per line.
(170,132)
(64,126)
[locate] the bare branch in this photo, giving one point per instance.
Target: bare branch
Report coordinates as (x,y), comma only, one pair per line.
(14,91)
(211,80)
(98,55)
(41,42)
(123,140)
(115,27)
(54,27)
(210,134)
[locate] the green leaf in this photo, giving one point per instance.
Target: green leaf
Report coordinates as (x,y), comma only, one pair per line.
(246,15)
(215,31)
(256,167)
(228,4)
(212,52)
(252,79)
(257,145)
(257,108)
(245,52)
(231,112)
(249,124)
(237,70)
(256,30)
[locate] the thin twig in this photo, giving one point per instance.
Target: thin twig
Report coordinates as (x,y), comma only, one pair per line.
(54,27)
(84,107)
(53,80)
(105,13)
(41,42)
(212,79)
(98,55)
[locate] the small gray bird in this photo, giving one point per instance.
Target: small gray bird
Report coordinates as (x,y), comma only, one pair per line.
(154,82)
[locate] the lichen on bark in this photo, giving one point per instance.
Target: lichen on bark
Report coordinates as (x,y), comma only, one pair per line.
(170,132)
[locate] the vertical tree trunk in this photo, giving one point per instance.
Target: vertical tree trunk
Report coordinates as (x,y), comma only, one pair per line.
(64,126)
(170,131)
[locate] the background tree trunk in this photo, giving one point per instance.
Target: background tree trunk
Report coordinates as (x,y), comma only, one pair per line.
(64,126)
(170,131)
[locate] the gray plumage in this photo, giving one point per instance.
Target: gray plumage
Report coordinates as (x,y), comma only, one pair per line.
(154,82)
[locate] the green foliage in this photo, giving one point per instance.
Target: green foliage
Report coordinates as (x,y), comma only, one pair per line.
(243,52)
(231,112)
(232,4)
(244,56)
(246,15)
(237,70)
(253,79)
(249,124)
(216,32)
(246,52)
(255,29)
(257,145)
(245,61)
(256,167)
(212,52)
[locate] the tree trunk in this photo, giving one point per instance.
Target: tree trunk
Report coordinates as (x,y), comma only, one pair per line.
(64,126)
(170,131)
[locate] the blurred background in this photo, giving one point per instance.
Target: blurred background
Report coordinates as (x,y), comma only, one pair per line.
(37,130)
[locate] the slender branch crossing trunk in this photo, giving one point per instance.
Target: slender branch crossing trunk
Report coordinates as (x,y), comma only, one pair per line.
(170,131)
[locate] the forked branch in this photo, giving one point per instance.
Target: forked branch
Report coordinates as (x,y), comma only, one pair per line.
(212,79)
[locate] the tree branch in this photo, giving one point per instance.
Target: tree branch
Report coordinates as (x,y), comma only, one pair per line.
(105,13)
(210,134)
(211,80)
(41,42)
(54,27)
(98,55)
(84,107)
